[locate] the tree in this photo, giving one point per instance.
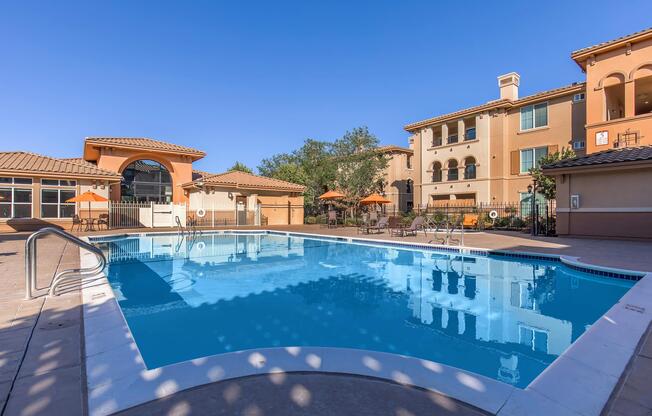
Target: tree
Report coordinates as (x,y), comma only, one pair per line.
(241,167)
(352,164)
(360,165)
(546,184)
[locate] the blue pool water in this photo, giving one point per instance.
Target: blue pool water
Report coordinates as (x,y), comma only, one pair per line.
(502,317)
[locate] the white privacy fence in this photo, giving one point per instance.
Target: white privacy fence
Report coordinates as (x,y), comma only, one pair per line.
(151,215)
(145,214)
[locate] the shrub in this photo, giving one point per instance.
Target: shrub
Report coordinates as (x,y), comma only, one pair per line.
(310,220)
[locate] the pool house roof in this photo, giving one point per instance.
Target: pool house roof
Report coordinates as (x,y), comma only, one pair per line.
(32,164)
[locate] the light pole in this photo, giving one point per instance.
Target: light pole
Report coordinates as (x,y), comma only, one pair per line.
(532,189)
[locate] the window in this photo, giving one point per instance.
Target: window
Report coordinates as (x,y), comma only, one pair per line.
(436,172)
(534,116)
(54,205)
(409,162)
(58,182)
(15,203)
(530,158)
(436,141)
(17,181)
(469,168)
(470,134)
(533,338)
(578,97)
(452,139)
(579,145)
(453,174)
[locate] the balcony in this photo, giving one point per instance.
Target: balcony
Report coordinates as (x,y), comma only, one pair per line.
(627,139)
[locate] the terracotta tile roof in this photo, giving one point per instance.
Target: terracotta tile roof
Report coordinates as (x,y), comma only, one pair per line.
(79,161)
(242,180)
(32,163)
(631,36)
(571,88)
(198,174)
(504,103)
(624,155)
(143,143)
(456,114)
(394,148)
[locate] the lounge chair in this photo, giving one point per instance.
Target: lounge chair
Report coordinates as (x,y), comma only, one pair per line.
(416,226)
(470,221)
(380,225)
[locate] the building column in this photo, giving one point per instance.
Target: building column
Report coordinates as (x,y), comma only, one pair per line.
(460,130)
(444,133)
(630,99)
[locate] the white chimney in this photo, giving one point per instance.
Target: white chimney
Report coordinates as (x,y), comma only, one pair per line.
(508,85)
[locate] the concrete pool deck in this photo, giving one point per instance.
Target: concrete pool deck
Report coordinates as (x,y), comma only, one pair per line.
(50,378)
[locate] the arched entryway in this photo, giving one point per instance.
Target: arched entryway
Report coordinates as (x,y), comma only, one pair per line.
(146,181)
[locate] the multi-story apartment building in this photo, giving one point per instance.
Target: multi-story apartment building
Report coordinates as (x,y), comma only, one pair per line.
(399,182)
(484,153)
(606,193)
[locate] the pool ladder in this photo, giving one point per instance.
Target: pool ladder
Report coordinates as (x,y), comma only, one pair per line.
(64,276)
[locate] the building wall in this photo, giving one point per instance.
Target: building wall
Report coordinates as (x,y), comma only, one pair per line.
(37,221)
(565,124)
(607,208)
(620,66)
(276,207)
(498,138)
(396,175)
(459,152)
(180,167)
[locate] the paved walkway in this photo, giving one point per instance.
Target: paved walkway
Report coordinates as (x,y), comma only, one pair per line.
(41,371)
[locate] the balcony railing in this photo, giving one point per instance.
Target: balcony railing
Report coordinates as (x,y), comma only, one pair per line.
(627,139)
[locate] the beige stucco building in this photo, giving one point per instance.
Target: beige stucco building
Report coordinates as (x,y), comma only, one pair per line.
(483,154)
(399,182)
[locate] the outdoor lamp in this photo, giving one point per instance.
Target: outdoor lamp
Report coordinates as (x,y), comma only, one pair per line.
(529,189)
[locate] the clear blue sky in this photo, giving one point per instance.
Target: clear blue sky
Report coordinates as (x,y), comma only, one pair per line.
(244,80)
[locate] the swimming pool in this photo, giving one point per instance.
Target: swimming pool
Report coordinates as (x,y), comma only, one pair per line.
(503,317)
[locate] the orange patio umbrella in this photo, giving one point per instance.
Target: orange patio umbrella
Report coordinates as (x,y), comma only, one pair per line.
(89,197)
(331,195)
(375,199)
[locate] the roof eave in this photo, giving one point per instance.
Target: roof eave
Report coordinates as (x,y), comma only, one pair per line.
(90,143)
(596,166)
(15,172)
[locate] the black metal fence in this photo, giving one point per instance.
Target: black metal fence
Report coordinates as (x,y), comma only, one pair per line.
(525,215)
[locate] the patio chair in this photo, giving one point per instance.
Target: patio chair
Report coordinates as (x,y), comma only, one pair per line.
(76,222)
(416,226)
(103,219)
(332,219)
(395,227)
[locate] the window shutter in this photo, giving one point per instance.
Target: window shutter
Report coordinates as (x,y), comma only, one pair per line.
(515,161)
(553,149)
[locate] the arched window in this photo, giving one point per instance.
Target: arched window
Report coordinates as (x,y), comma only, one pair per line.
(453,174)
(614,96)
(436,172)
(469,168)
(146,181)
(643,91)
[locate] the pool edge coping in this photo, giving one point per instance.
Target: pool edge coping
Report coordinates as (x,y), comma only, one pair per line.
(554,390)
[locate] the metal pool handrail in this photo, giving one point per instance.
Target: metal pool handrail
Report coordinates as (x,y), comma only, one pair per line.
(63,276)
